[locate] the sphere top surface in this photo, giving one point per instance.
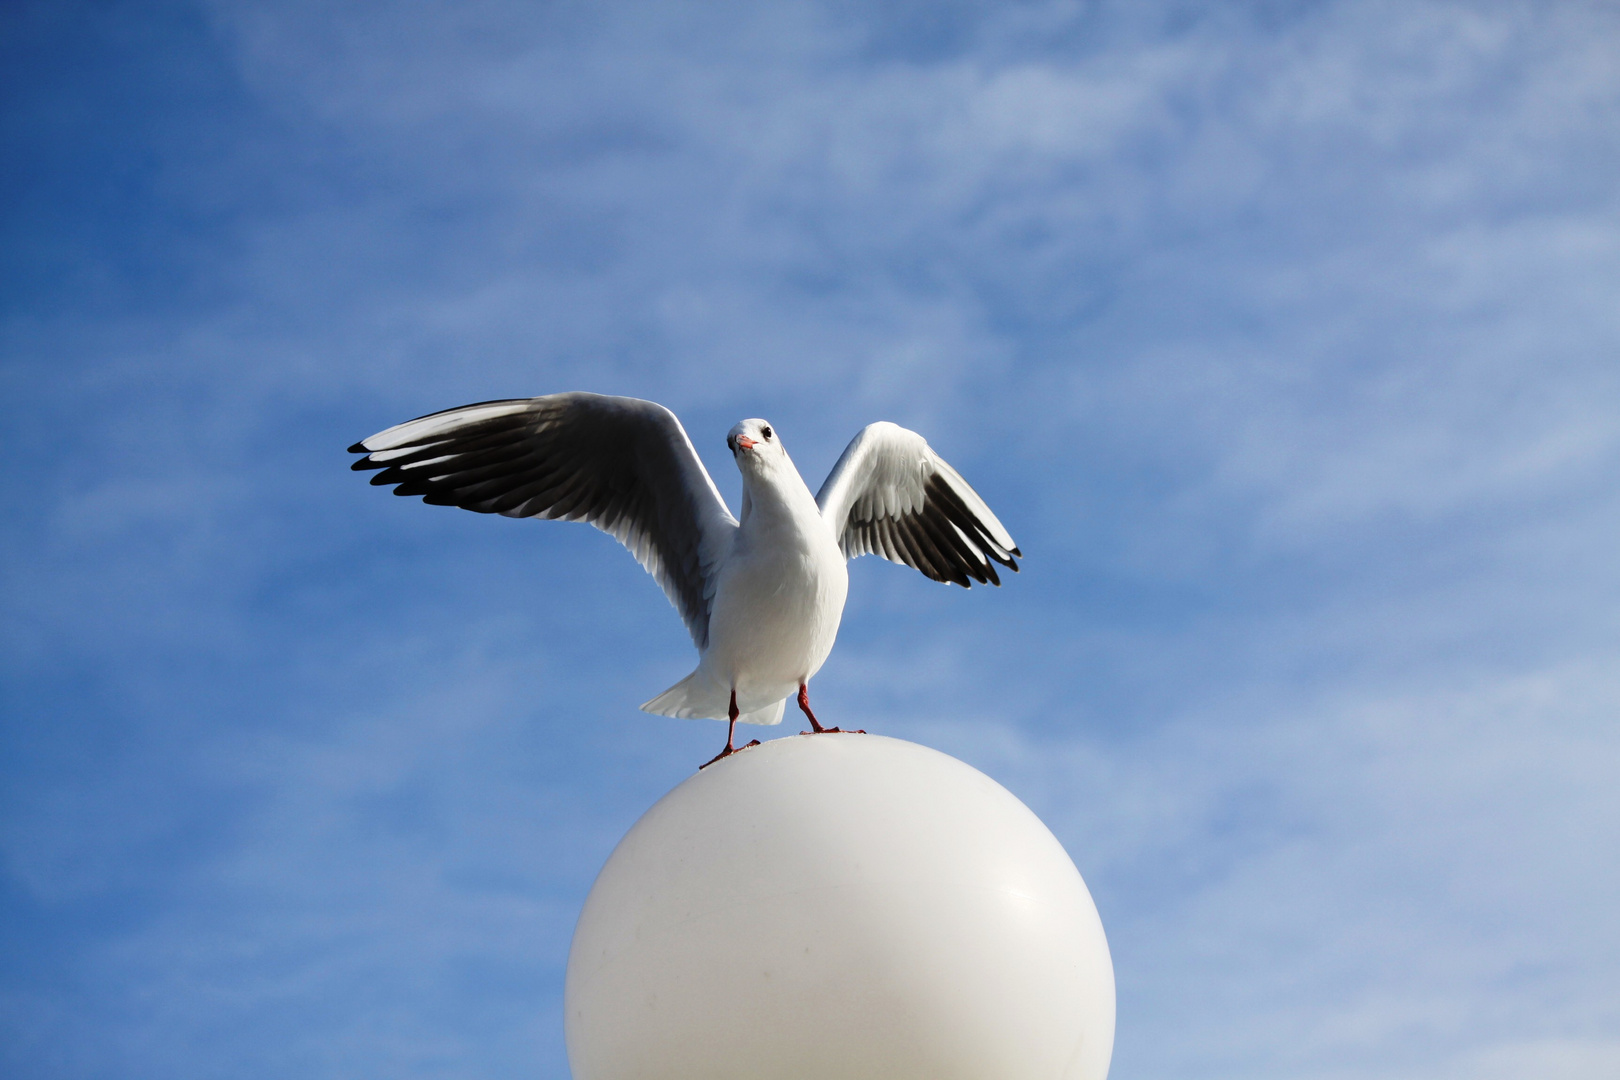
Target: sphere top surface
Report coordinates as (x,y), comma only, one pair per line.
(839,906)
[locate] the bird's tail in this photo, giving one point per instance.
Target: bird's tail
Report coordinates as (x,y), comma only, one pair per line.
(696,697)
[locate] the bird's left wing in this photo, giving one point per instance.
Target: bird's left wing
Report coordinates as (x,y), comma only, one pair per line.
(891,494)
(621,464)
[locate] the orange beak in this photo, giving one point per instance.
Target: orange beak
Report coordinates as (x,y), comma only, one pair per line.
(746,443)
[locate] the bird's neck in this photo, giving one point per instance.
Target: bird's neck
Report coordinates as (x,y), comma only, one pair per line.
(776,497)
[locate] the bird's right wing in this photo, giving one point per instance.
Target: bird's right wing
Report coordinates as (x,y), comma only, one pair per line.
(891,494)
(621,464)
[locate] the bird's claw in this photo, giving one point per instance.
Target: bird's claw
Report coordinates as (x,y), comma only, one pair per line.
(727,752)
(835,731)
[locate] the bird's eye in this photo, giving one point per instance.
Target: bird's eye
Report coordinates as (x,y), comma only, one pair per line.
(765,431)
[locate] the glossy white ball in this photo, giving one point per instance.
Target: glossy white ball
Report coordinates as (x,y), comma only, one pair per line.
(839,907)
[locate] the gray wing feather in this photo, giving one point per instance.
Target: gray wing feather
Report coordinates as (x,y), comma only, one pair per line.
(621,464)
(891,495)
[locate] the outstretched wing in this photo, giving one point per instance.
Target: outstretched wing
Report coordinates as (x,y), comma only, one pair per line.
(891,494)
(621,464)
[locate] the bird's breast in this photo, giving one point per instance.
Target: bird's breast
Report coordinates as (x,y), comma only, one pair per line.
(777,609)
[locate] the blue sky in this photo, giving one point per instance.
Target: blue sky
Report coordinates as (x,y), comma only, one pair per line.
(1284,338)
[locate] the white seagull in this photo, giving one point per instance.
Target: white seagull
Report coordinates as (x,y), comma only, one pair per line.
(763,596)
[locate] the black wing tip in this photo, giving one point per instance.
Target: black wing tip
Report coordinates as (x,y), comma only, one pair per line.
(986,574)
(359,448)
(1010,560)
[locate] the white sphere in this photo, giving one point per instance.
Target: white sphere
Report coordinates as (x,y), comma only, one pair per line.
(839,907)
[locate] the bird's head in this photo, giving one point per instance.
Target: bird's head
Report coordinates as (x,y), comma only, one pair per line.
(755,445)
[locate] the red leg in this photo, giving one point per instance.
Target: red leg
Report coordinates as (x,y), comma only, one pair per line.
(815,725)
(731,732)
(804,707)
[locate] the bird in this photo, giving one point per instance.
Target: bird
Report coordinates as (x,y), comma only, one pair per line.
(762,594)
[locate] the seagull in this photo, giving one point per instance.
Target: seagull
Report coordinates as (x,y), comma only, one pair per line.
(762,596)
